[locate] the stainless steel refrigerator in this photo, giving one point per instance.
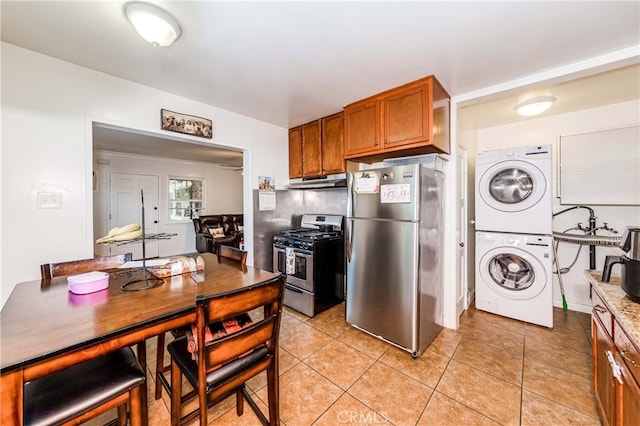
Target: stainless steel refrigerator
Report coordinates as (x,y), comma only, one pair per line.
(394,241)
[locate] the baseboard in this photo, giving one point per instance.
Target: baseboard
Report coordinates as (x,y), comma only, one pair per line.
(573,306)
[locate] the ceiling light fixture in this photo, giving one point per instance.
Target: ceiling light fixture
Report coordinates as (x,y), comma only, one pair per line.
(152,23)
(534,106)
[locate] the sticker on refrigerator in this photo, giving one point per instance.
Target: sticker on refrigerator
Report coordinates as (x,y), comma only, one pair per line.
(366,183)
(395,193)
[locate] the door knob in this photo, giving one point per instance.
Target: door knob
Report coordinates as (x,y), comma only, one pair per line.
(155,221)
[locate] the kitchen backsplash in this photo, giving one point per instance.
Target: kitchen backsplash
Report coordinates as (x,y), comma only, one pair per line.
(290,206)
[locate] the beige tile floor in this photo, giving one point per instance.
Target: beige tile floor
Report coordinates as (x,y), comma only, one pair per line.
(491,371)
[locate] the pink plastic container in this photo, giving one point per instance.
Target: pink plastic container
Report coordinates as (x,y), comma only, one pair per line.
(88,283)
(91,299)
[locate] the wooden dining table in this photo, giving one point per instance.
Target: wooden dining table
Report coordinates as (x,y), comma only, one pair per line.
(45,328)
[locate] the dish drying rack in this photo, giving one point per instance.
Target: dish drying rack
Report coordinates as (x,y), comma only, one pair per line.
(144,275)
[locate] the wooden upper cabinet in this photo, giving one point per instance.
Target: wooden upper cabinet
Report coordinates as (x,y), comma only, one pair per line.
(333,144)
(295,152)
(311,149)
(361,124)
(407,120)
(317,148)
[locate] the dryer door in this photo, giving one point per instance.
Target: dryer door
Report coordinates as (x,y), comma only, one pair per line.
(513,273)
(512,186)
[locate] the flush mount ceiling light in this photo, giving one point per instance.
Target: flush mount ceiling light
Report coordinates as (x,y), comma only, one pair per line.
(534,106)
(152,23)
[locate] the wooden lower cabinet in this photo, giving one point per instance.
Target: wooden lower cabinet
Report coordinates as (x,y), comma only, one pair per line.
(628,396)
(603,380)
(616,389)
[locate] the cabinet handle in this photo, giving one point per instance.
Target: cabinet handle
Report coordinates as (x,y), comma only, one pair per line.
(386,141)
(376,143)
(615,368)
(624,355)
(601,309)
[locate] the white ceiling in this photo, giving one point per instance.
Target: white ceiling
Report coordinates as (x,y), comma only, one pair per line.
(288,63)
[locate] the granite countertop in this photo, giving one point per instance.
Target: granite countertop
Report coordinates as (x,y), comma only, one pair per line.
(625,310)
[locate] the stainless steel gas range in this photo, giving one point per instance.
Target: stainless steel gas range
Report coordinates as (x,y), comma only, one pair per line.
(312,257)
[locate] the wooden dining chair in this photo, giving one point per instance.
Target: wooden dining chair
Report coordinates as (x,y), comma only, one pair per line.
(233,253)
(50,270)
(161,369)
(90,388)
(232,353)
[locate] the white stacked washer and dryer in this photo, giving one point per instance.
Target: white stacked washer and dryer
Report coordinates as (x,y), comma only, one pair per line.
(514,252)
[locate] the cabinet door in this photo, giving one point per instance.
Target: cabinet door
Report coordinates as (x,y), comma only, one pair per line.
(311,149)
(295,152)
(361,128)
(628,412)
(406,116)
(603,381)
(333,144)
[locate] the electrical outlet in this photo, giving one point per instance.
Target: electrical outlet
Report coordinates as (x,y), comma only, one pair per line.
(49,200)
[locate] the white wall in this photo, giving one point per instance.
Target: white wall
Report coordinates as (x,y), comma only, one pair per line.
(223,194)
(546,130)
(47,110)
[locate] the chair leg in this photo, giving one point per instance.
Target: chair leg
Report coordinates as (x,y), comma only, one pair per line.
(176,392)
(122,415)
(239,401)
(142,360)
(273,395)
(203,403)
(138,404)
(159,364)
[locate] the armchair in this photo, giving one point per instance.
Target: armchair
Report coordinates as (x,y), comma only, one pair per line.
(228,226)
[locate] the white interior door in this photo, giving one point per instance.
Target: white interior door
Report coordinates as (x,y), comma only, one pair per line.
(125,207)
(461,231)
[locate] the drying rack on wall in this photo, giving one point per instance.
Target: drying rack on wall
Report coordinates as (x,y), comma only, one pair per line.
(143,278)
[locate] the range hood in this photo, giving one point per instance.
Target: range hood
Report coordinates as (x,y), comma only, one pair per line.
(320,182)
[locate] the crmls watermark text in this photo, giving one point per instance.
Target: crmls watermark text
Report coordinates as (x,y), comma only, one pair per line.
(362,417)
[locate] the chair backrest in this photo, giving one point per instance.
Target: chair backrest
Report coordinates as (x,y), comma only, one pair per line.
(233,253)
(197,225)
(264,331)
(50,270)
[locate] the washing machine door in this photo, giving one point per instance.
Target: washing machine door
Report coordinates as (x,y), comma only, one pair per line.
(513,273)
(512,186)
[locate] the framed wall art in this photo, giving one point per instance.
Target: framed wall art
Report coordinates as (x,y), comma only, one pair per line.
(187,124)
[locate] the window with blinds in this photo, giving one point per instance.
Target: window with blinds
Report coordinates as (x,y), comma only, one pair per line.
(600,167)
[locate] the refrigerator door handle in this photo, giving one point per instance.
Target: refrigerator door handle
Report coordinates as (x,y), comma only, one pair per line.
(349,238)
(350,199)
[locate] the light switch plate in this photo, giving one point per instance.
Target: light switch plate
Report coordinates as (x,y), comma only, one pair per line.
(49,200)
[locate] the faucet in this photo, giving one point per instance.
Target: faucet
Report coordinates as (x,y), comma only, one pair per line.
(589,230)
(605,227)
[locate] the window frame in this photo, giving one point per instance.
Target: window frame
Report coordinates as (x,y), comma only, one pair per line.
(195,212)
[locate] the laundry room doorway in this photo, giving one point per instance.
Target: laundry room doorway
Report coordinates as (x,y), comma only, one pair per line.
(461,231)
